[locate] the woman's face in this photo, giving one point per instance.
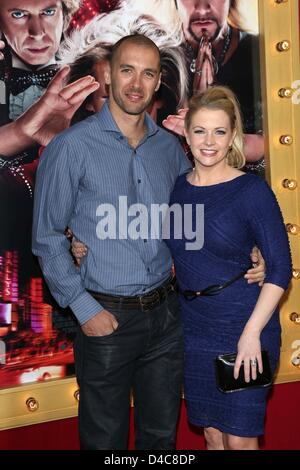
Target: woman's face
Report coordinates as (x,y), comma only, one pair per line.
(210,136)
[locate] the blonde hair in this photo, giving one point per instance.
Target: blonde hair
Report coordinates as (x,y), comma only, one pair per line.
(222,98)
(163,11)
(243,15)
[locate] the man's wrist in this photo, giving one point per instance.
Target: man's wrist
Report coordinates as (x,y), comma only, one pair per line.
(19,128)
(13,141)
(85,307)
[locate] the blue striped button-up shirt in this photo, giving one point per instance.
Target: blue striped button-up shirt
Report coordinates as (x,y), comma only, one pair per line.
(86,166)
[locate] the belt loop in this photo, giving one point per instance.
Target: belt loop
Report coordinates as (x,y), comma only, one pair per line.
(141,303)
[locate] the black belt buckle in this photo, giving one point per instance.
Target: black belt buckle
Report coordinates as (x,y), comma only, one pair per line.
(147,305)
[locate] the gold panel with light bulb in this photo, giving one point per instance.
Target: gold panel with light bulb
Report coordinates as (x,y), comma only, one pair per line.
(285,92)
(36,403)
(295,318)
(280,66)
(283,46)
(286,139)
(289,184)
(293,229)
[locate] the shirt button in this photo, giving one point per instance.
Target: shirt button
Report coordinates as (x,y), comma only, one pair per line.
(148,269)
(139,181)
(145,241)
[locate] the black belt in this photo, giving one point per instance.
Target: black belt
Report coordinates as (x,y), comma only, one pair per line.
(144,302)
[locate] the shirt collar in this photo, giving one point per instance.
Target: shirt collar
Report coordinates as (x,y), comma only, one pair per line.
(109,124)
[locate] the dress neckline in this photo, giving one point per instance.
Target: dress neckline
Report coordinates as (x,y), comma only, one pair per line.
(214,185)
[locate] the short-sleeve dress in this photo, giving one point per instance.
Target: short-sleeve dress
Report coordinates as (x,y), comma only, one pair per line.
(238,214)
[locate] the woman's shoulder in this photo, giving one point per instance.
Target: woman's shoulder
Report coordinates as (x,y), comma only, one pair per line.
(256,181)
(258,193)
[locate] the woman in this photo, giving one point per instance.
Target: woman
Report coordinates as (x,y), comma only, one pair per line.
(240,210)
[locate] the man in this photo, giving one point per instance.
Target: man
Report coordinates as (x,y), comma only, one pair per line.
(218,52)
(32,31)
(132,347)
(122,295)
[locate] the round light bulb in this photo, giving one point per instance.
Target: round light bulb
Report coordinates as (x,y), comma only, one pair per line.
(289,184)
(283,46)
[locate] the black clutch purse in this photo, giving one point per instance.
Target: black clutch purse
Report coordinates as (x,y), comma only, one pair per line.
(227,383)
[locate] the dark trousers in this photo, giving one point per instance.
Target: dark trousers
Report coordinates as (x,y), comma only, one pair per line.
(144,355)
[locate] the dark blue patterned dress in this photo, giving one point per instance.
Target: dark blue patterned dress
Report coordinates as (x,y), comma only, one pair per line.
(238,214)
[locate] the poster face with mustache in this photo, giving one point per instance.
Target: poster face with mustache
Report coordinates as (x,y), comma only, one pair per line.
(210,23)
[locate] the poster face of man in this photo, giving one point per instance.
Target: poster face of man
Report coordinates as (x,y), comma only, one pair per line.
(33,29)
(203,17)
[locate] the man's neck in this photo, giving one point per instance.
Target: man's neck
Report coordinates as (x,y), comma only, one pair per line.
(133,127)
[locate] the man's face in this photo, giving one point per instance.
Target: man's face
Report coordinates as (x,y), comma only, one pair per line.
(203,18)
(134,77)
(32,28)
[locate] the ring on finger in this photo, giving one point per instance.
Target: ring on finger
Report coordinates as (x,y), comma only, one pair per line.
(253,362)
